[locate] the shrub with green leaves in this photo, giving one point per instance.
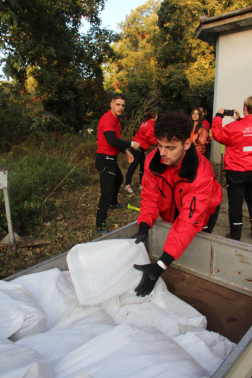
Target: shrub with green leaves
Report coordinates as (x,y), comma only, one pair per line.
(31,180)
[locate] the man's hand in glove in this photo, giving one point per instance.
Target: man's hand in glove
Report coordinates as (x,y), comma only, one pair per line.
(151,273)
(140,237)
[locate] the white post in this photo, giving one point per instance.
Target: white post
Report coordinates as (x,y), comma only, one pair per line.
(8,215)
(9,239)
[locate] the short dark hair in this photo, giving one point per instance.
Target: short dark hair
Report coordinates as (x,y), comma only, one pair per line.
(151,113)
(117,96)
(173,125)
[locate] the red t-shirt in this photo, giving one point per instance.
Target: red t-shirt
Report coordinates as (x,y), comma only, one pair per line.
(108,122)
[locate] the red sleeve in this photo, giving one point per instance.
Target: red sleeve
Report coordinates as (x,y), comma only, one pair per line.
(107,125)
(204,136)
(222,134)
(191,218)
(149,209)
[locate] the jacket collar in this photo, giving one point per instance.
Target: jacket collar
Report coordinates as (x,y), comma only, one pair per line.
(188,168)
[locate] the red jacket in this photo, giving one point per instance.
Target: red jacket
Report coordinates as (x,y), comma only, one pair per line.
(145,135)
(187,196)
(207,126)
(237,137)
(108,122)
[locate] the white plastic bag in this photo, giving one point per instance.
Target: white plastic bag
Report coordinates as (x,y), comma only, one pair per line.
(209,349)
(20,314)
(126,351)
(120,352)
(104,269)
(19,362)
(161,310)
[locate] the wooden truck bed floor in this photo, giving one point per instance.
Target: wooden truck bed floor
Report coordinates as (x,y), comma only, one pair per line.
(228,312)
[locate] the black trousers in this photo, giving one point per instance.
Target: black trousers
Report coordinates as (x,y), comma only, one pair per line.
(111,179)
(239,186)
(139,158)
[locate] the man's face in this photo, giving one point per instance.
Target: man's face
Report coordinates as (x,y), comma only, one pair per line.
(117,107)
(173,151)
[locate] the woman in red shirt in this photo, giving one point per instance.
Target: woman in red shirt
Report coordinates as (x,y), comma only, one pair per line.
(199,134)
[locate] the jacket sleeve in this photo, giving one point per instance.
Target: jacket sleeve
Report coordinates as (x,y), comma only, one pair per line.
(203,135)
(152,140)
(222,134)
(191,218)
(149,209)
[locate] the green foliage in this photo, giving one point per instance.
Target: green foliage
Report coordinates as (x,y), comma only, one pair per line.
(34,176)
(19,113)
(43,36)
(158,51)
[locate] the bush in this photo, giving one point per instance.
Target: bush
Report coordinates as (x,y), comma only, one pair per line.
(33,178)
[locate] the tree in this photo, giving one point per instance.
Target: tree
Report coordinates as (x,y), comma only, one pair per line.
(133,68)
(187,65)
(44,36)
(134,51)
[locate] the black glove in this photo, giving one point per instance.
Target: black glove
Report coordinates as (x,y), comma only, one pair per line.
(151,273)
(142,233)
(140,237)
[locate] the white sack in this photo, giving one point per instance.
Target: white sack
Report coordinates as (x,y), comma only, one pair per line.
(56,343)
(104,269)
(209,349)
(20,314)
(82,374)
(161,310)
(55,293)
(125,351)
(19,362)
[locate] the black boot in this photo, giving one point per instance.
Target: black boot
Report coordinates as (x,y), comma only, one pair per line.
(235,232)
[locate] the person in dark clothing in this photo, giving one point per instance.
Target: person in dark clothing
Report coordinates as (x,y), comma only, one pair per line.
(237,137)
(109,144)
(144,136)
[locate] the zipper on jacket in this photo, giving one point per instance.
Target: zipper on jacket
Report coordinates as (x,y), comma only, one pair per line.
(162,193)
(192,207)
(181,202)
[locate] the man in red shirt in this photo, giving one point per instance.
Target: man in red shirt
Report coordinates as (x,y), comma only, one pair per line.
(109,144)
(179,185)
(237,137)
(144,136)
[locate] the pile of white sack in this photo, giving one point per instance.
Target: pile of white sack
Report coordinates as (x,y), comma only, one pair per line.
(88,322)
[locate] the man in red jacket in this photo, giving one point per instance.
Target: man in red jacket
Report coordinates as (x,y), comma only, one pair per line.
(237,137)
(144,136)
(179,185)
(109,144)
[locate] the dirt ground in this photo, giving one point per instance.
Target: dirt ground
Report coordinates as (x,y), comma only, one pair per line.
(74,222)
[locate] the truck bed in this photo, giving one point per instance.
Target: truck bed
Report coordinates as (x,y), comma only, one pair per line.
(228,312)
